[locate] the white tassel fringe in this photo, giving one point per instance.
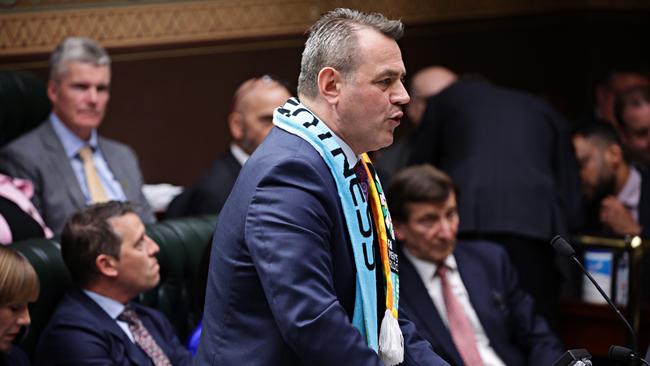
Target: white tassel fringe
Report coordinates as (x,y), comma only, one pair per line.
(391,341)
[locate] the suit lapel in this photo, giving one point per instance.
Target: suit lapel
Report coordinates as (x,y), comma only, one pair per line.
(416,296)
(132,350)
(61,164)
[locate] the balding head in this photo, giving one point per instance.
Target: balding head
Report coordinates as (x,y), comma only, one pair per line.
(424,84)
(252,112)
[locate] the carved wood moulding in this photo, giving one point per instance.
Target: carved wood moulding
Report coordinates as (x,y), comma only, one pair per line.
(36,26)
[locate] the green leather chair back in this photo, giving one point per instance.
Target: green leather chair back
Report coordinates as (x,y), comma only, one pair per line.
(45,257)
(23,104)
(183,245)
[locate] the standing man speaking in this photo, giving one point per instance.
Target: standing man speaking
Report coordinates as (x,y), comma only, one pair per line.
(303,269)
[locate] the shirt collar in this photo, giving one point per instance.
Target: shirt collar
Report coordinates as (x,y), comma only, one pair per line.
(111,307)
(427,269)
(71,142)
(351,157)
(631,192)
(239,154)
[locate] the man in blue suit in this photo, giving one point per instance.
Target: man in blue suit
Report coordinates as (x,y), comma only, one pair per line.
(284,285)
(464,296)
(111,258)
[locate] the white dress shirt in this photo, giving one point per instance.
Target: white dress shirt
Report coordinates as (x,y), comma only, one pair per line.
(630,195)
(427,270)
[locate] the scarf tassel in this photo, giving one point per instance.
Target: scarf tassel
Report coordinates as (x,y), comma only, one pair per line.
(391,340)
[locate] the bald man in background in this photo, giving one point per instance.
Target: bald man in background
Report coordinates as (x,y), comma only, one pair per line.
(249,122)
(424,84)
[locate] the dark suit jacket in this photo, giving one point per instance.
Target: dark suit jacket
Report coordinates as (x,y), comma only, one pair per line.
(81,333)
(209,194)
(517,334)
(39,156)
(510,155)
(15,357)
(281,286)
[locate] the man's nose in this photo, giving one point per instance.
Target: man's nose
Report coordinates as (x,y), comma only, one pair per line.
(153,246)
(446,229)
(400,95)
(92,95)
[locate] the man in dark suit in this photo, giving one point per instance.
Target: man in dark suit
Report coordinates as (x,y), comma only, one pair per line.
(463,296)
(282,287)
(112,260)
(249,123)
(69,164)
(511,156)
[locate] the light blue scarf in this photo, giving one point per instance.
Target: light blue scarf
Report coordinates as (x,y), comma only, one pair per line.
(296,119)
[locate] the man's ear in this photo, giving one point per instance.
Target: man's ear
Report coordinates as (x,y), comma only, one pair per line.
(52,87)
(235,124)
(106,265)
(329,84)
(614,154)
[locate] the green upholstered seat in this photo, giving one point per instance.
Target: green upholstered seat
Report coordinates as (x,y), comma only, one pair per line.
(183,244)
(23,104)
(45,257)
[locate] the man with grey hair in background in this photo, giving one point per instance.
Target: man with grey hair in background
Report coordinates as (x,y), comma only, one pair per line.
(303,269)
(70,165)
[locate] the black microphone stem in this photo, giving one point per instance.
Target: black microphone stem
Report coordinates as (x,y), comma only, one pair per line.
(633,344)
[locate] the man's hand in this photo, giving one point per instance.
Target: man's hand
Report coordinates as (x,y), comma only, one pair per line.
(617,217)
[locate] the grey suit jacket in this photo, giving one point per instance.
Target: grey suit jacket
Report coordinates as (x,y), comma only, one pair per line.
(39,156)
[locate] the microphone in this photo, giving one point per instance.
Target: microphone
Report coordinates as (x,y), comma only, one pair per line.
(563,248)
(574,357)
(625,356)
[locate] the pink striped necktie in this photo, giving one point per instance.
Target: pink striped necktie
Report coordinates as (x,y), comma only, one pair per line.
(143,338)
(459,326)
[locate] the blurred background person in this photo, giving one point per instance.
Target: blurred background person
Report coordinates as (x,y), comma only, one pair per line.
(633,114)
(464,295)
(250,120)
(19,219)
(617,193)
(424,84)
(18,286)
(614,83)
(111,260)
(69,164)
(511,157)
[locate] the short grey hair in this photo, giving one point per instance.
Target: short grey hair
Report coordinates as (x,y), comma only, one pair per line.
(332,42)
(76,49)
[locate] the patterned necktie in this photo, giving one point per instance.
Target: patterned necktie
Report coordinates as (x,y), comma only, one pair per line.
(362,175)
(95,188)
(143,338)
(459,326)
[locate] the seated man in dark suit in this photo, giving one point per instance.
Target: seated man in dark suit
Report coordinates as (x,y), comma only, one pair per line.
(249,122)
(70,165)
(112,259)
(463,296)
